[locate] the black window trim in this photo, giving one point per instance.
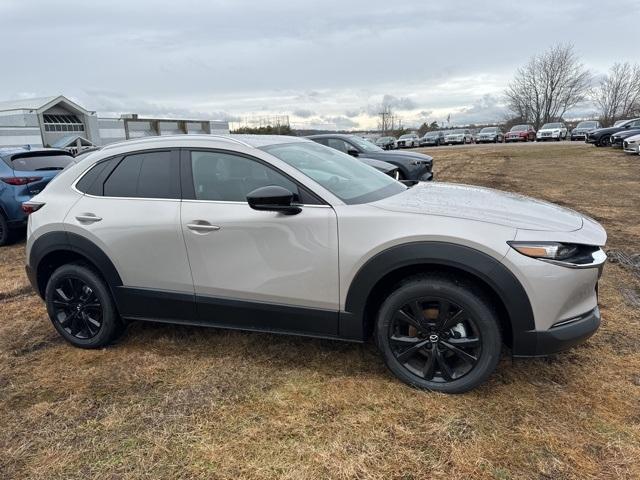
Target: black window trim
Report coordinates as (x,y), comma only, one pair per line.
(186,175)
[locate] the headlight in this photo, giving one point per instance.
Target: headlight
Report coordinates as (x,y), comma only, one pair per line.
(545,250)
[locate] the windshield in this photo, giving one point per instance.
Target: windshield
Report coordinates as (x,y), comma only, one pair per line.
(453,132)
(365,145)
(349,179)
(519,128)
(409,135)
(489,130)
(383,139)
(431,134)
(551,125)
(587,125)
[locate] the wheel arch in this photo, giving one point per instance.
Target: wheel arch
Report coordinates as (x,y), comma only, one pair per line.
(380,274)
(54,249)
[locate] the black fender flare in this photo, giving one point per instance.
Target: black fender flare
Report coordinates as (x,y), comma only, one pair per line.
(478,264)
(52,242)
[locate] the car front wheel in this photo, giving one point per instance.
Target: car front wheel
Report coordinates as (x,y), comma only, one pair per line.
(81,308)
(439,334)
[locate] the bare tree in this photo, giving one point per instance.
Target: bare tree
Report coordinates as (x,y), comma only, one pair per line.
(618,93)
(387,120)
(548,85)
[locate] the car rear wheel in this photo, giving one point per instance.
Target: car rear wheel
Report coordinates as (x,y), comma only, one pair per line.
(81,308)
(439,334)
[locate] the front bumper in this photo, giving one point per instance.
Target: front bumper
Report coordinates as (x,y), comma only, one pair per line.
(454,140)
(564,335)
(632,148)
(518,138)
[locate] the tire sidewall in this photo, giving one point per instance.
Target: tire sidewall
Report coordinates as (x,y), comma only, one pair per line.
(5,234)
(111,324)
(484,317)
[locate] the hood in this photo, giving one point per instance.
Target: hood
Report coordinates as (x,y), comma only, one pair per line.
(378,164)
(484,205)
(627,133)
(396,156)
(599,131)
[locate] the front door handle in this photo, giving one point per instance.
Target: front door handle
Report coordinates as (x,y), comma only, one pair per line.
(200,226)
(88,218)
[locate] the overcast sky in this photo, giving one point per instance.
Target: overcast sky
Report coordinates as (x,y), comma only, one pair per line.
(324,63)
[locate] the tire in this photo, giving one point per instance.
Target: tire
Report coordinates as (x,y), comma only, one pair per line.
(5,233)
(605,141)
(80,307)
(416,346)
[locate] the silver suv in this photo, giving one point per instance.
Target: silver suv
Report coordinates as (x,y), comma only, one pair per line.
(281,234)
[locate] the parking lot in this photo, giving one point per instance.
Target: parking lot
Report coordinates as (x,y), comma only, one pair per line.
(177,402)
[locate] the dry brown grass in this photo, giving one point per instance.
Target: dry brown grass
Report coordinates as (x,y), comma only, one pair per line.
(176,402)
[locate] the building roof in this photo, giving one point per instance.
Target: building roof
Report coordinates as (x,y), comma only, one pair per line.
(26,103)
(70,141)
(40,103)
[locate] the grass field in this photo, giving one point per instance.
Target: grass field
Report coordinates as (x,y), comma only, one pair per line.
(176,402)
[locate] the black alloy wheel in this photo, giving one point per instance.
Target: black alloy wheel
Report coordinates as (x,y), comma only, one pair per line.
(439,334)
(80,307)
(76,307)
(435,339)
(605,141)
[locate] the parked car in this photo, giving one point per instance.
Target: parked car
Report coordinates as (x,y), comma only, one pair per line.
(434,139)
(458,136)
(490,135)
(280,234)
(409,140)
(412,165)
(582,130)
(602,136)
(617,139)
(521,133)
(24,172)
(387,143)
(552,131)
(632,145)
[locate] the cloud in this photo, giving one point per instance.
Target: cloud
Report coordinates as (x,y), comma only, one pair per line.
(303,113)
(229,59)
(403,103)
(341,122)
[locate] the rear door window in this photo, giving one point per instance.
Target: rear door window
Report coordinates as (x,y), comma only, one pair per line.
(145,175)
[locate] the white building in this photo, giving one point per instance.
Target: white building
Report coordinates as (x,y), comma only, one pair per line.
(59,122)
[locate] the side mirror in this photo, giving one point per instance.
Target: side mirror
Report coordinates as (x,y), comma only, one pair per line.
(273,198)
(353,152)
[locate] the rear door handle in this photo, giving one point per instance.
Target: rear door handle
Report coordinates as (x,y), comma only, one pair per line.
(88,218)
(200,226)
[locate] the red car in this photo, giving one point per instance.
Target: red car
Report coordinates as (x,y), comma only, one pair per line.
(521,133)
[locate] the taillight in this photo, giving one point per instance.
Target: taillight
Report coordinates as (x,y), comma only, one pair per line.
(20,180)
(30,207)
